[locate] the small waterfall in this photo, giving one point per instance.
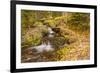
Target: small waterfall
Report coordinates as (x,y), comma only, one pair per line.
(50,32)
(44,46)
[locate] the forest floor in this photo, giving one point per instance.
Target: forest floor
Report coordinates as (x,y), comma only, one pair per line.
(80,50)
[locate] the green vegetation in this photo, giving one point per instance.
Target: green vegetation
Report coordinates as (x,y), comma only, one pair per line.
(60,55)
(70,30)
(79,21)
(57,55)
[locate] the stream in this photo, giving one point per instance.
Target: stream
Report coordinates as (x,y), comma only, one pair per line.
(45,46)
(37,50)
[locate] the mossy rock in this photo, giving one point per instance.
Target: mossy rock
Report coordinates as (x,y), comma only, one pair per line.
(56,30)
(57,55)
(60,55)
(57,42)
(70,39)
(50,23)
(31,38)
(38,24)
(68,35)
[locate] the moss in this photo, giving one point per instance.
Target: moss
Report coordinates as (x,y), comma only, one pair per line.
(62,20)
(50,23)
(32,38)
(57,55)
(57,42)
(36,40)
(62,53)
(38,24)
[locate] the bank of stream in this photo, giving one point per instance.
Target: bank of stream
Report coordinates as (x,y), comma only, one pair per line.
(71,49)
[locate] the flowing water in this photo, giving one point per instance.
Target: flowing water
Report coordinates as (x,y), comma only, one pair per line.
(44,46)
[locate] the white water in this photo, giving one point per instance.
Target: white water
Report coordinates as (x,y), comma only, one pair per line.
(44,46)
(50,32)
